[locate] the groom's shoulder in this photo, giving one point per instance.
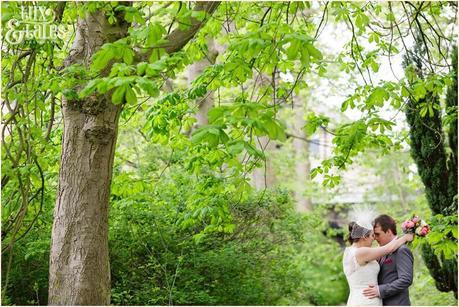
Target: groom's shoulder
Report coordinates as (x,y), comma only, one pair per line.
(404,250)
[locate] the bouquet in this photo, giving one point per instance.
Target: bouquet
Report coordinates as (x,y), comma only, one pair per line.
(416,225)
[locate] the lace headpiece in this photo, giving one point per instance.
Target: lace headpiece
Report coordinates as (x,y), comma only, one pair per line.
(363,217)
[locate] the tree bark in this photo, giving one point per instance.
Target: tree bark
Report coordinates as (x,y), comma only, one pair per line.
(206,103)
(302,163)
(79,261)
(79,264)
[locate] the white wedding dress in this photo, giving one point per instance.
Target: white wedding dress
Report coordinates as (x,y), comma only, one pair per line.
(359,277)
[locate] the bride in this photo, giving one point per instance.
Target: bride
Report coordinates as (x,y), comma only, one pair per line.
(360,261)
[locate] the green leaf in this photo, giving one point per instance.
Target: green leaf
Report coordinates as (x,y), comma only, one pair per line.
(405,92)
(131,97)
(229,228)
(253,151)
(292,50)
(155,33)
(314,52)
(313,122)
(132,14)
(128,56)
(316,171)
(141,67)
(89,88)
(199,237)
(377,97)
(156,55)
(374,37)
(374,66)
(305,57)
(362,21)
(103,57)
(390,17)
(236,148)
(435,237)
(423,111)
(118,94)
(274,129)
(215,114)
(454,232)
(199,135)
(148,86)
(70,94)
(118,81)
(199,15)
(419,90)
(431,111)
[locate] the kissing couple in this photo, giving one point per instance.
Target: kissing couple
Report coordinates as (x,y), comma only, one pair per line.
(378,275)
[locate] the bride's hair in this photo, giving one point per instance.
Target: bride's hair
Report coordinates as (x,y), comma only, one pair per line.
(356,232)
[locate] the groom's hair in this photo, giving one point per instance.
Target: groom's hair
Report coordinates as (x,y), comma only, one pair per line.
(386,223)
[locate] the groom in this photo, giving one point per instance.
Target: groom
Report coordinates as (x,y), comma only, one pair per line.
(396,273)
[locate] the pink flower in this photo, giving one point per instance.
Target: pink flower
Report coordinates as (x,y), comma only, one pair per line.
(424,231)
(409,224)
(416,225)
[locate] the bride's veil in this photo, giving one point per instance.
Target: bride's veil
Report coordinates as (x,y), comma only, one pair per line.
(363,216)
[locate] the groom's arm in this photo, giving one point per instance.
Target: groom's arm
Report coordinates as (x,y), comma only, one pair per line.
(404,263)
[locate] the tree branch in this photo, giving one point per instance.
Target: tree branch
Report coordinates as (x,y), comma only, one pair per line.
(178,38)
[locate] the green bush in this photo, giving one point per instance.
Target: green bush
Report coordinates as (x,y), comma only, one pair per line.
(28,275)
(273,257)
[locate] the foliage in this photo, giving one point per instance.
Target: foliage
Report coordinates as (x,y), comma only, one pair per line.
(28,274)
(266,260)
(188,252)
(429,152)
(423,291)
(186,227)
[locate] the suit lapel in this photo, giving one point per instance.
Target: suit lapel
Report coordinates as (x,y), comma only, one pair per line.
(381,260)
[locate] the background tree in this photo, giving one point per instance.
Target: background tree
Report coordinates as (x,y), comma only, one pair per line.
(196,69)
(302,162)
(436,158)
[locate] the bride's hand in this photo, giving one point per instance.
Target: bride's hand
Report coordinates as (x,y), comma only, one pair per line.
(409,237)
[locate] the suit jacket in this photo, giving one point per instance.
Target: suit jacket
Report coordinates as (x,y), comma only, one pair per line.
(395,277)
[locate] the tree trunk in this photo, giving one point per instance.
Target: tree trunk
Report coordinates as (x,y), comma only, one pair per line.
(79,272)
(79,263)
(302,164)
(206,103)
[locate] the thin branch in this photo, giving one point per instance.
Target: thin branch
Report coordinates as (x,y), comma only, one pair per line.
(352,51)
(321,20)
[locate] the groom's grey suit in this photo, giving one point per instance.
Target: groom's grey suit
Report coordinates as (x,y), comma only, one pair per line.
(395,276)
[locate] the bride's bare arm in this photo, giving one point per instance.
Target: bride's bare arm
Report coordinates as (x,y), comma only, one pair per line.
(366,254)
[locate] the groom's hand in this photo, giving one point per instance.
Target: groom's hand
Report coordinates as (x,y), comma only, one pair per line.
(371,291)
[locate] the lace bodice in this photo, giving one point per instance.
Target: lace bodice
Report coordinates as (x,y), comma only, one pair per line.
(359,277)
